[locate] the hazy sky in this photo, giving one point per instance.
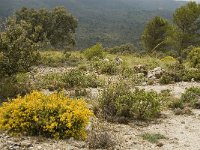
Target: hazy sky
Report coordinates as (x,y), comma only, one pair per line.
(189,0)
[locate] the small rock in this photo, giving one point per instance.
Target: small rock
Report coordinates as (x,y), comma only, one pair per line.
(197,104)
(26,143)
(159,144)
(182,122)
(39,147)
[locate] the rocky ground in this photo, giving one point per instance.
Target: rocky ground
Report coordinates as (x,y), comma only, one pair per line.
(182,132)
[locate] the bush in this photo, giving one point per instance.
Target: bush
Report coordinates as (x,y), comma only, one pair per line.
(100,137)
(15,85)
(177,103)
(95,51)
(123,49)
(18,51)
(166,79)
(77,78)
(109,68)
(194,57)
(69,80)
(118,101)
(169,60)
(191,96)
(146,104)
(50,116)
(191,74)
(54,58)
(153,138)
(50,81)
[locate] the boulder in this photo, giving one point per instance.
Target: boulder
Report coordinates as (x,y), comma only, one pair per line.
(156,73)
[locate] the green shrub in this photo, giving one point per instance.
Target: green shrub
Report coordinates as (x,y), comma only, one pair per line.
(126,71)
(52,58)
(18,50)
(169,59)
(55,58)
(166,79)
(177,103)
(194,57)
(175,71)
(95,51)
(191,96)
(118,101)
(51,116)
(152,137)
(69,80)
(50,81)
(146,104)
(109,68)
(77,78)
(125,48)
(15,85)
(191,74)
(102,67)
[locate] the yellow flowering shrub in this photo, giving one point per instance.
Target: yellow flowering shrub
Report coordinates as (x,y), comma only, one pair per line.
(169,60)
(51,116)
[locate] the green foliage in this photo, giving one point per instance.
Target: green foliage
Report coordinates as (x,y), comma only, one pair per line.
(15,85)
(118,101)
(194,57)
(177,103)
(155,34)
(104,67)
(191,96)
(153,138)
(109,22)
(186,19)
(123,49)
(166,79)
(95,52)
(191,74)
(146,104)
(17,49)
(57,58)
(37,114)
(69,80)
(77,78)
(55,26)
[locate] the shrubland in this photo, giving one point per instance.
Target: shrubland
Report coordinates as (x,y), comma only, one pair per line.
(54,116)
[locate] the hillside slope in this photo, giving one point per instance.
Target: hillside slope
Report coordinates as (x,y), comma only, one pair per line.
(111,22)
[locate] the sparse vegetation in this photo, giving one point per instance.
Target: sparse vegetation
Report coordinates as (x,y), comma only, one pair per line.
(152,137)
(119,101)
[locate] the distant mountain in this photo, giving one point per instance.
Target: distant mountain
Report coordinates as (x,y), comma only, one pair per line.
(111,22)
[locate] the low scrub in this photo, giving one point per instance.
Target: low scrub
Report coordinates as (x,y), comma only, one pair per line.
(191,96)
(118,101)
(15,85)
(100,136)
(69,80)
(53,116)
(194,57)
(95,52)
(103,67)
(153,137)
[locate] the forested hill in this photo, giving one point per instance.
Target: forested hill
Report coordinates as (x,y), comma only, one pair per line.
(111,22)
